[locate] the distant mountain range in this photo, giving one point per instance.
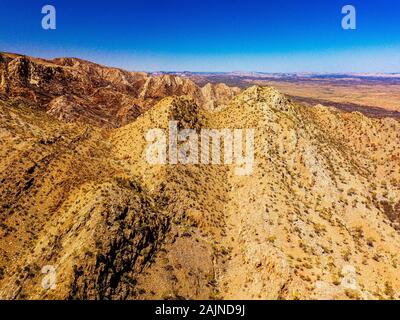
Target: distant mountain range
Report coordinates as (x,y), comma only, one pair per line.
(285,74)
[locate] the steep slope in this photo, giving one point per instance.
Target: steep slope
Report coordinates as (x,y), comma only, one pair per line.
(47,84)
(317,218)
(311,220)
(194,195)
(66,204)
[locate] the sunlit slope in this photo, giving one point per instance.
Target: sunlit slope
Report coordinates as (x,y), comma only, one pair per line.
(318,216)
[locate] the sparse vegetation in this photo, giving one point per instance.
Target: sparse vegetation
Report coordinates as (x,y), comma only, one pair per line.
(324,197)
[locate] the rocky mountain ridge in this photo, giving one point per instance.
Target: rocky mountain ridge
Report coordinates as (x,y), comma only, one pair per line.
(319,218)
(72,89)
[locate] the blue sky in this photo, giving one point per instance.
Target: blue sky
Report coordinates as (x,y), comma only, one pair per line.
(219,35)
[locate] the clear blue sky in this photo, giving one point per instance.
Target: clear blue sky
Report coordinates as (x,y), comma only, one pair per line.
(204,35)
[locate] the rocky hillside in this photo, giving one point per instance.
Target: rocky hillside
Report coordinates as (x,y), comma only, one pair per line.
(72,89)
(318,218)
(218,95)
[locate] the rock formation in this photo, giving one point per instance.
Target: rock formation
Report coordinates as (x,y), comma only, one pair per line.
(318,219)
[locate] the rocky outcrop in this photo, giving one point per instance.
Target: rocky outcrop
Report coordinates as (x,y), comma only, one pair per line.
(166,85)
(218,95)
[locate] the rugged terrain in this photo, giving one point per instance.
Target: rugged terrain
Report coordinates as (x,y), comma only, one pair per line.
(72,89)
(319,218)
(376,95)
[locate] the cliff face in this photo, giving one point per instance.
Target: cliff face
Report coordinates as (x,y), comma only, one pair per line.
(49,85)
(318,218)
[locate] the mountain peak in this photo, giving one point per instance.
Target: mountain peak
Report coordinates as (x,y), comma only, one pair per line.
(265,97)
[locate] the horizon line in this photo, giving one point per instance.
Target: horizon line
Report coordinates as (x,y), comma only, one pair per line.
(205,72)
